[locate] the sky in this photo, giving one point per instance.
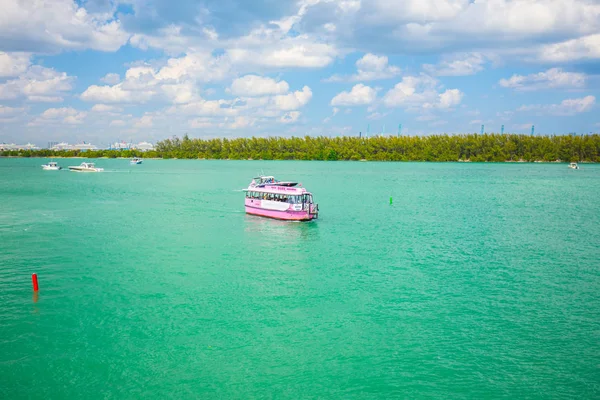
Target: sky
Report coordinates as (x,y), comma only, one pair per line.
(102,71)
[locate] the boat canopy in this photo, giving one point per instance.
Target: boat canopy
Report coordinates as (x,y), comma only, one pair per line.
(261,181)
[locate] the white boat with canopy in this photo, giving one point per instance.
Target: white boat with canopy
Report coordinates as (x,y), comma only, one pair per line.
(86,167)
(51,166)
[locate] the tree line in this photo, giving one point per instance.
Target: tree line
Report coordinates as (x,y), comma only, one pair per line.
(471,147)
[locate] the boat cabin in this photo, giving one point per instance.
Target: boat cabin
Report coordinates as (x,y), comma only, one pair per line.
(305,198)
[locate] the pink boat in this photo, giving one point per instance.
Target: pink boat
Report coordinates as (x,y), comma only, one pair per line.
(271,198)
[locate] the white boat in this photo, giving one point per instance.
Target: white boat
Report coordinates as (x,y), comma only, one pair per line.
(135,161)
(51,166)
(86,167)
(573,165)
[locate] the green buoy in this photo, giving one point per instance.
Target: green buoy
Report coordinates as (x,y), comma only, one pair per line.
(390,201)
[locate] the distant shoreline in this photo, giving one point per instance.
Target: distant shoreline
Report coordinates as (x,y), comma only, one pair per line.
(363,160)
(434,148)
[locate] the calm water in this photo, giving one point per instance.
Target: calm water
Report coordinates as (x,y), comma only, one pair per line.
(480,281)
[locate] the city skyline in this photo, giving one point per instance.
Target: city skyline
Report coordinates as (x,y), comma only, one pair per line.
(97,70)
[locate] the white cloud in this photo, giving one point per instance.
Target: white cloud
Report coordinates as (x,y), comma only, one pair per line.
(295,100)
(499,20)
(66,115)
(554,78)
(210,33)
(254,85)
(117,122)
(8,112)
(421,93)
(457,65)
(369,68)
(376,115)
(421,10)
(199,65)
(37,84)
(176,82)
(583,48)
(59,112)
(45,99)
(359,95)
(567,107)
(144,122)
(13,64)
(290,117)
(111,79)
(329,27)
(203,107)
(450,98)
(285,53)
(241,122)
(271,46)
(75,119)
(114,94)
(103,108)
(243,111)
(491,26)
(54,25)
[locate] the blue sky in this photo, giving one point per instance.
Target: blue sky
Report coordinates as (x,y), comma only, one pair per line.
(107,70)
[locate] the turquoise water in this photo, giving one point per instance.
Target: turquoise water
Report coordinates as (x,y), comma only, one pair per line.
(480,281)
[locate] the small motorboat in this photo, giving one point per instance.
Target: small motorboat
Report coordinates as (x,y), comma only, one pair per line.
(135,161)
(86,167)
(51,166)
(573,165)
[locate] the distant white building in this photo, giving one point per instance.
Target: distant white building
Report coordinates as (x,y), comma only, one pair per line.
(120,146)
(84,146)
(61,146)
(79,146)
(143,146)
(12,146)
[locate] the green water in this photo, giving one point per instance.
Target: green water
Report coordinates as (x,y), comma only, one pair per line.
(480,281)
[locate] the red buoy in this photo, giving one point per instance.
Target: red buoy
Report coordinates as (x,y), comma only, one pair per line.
(35,282)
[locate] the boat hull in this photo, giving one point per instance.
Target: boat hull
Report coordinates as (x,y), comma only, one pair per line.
(287,215)
(45,168)
(76,169)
